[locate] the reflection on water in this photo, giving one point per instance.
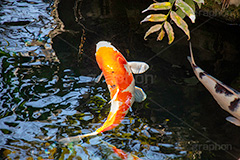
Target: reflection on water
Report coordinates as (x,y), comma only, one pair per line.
(48,90)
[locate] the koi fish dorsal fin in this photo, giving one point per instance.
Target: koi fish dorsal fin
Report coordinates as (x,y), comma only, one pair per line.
(138,67)
(233,120)
(139,94)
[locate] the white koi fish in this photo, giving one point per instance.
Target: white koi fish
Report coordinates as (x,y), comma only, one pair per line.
(226,97)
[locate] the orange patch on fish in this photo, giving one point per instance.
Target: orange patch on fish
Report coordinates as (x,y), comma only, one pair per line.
(121,84)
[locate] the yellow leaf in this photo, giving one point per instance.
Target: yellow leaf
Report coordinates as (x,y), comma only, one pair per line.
(154,28)
(159,6)
(169,30)
(155,18)
(180,23)
(161,35)
(186,9)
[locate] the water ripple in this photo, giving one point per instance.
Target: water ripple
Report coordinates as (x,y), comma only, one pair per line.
(40,101)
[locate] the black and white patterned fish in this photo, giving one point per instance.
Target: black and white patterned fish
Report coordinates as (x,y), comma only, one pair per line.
(226,97)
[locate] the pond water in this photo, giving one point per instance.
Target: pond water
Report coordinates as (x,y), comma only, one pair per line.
(48,89)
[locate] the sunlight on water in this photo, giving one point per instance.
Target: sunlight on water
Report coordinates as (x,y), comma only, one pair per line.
(43,100)
(40,102)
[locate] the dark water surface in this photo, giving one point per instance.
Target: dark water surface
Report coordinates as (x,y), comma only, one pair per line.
(47,88)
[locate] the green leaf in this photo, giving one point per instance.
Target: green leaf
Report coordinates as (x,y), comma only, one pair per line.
(155,18)
(169,30)
(180,23)
(191,4)
(186,9)
(199,5)
(159,6)
(199,1)
(154,28)
(181,13)
(161,35)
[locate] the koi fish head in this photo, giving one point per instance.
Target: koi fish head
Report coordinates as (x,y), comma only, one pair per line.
(105,44)
(109,58)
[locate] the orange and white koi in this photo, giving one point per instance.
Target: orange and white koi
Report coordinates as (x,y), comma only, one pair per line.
(124,155)
(226,97)
(118,74)
(121,153)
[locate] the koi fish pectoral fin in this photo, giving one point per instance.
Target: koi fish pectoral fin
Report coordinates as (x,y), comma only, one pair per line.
(139,94)
(98,78)
(233,120)
(138,67)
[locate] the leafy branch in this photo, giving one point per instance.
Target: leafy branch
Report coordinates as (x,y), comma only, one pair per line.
(177,14)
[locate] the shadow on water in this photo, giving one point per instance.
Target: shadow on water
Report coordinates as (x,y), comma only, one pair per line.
(47,87)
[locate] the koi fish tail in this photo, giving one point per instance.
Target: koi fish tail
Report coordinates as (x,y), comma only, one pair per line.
(113,120)
(76,138)
(191,59)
